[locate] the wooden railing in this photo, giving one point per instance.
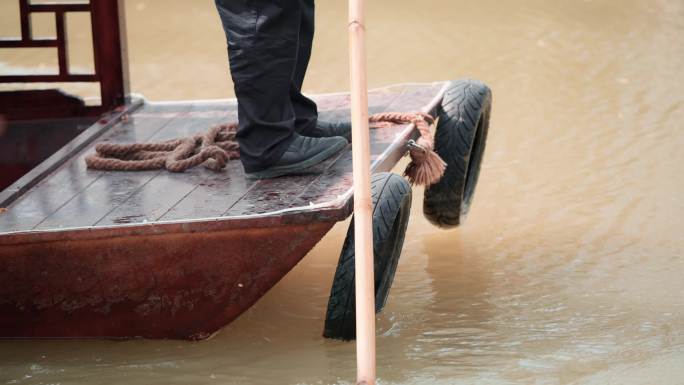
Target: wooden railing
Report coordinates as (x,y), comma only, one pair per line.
(110,64)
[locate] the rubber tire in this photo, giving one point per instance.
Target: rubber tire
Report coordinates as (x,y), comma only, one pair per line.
(460,139)
(391,200)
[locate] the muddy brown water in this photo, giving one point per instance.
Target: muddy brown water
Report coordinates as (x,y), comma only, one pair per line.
(570,268)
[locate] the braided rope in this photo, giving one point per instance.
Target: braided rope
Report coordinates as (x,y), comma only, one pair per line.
(212,149)
(215,147)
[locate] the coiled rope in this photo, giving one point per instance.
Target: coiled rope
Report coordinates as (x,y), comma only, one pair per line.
(215,147)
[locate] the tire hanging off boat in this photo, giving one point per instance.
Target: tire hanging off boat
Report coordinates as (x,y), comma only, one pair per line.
(460,139)
(391,199)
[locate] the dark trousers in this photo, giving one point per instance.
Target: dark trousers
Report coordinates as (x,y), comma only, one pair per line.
(269,45)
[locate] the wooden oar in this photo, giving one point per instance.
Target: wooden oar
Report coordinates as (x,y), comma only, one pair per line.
(363,223)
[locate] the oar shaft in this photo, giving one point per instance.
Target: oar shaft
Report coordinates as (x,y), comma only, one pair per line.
(363,221)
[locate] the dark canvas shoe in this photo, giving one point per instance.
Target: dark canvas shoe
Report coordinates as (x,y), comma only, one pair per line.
(326,128)
(303,152)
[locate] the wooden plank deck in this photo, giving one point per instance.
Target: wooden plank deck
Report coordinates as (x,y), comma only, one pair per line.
(72,196)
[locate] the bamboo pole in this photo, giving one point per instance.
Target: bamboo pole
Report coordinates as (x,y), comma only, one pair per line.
(363,222)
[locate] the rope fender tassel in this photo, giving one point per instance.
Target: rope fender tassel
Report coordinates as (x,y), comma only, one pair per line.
(426,167)
(215,147)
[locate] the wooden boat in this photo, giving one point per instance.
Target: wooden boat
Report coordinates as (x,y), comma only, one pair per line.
(154,254)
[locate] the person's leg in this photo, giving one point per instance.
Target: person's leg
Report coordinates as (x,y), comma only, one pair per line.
(305,109)
(306,112)
(263,39)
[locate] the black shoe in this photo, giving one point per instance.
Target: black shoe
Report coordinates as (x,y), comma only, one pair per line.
(303,152)
(325,129)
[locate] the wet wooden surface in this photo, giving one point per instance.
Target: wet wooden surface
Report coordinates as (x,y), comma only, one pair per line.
(74,197)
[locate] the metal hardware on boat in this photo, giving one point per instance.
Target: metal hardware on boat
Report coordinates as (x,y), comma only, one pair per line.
(413,145)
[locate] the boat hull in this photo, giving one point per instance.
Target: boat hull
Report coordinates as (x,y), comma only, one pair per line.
(96,254)
(176,284)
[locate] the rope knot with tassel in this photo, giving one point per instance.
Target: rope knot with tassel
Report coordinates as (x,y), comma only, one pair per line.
(426,167)
(215,147)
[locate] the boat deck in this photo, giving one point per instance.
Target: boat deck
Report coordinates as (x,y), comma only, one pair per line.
(62,193)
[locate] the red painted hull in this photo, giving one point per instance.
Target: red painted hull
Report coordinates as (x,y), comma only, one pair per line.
(176,284)
(96,254)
